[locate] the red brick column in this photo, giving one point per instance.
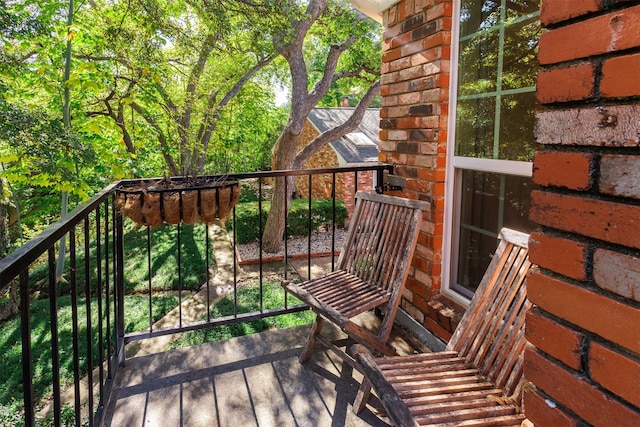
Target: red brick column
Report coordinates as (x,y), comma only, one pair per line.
(415,91)
(585,326)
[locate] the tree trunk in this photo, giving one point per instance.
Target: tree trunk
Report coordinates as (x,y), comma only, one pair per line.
(274,227)
(66,118)
(288,153)
(273,233)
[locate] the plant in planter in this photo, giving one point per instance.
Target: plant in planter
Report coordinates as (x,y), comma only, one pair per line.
(171,201)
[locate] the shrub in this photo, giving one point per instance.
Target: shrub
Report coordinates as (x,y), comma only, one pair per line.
(247,225)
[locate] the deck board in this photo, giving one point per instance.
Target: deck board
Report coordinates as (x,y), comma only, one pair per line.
(254,380)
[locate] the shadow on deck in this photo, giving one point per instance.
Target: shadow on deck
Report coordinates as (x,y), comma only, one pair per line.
(253,380)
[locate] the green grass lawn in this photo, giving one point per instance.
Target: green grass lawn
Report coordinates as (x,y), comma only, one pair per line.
(248,301)
(164,257)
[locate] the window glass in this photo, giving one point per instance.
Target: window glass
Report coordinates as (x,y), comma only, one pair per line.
(518,8)
(519,55)
(490,201)
(477,15)
(494,119)
(475,127)
(478,70)
(516,127)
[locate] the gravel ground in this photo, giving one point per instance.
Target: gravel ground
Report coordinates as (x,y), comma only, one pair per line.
(320,242)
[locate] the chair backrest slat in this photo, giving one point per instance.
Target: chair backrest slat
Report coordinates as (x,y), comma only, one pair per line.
(497,312)
(391,251)
(380,239)
(490,336)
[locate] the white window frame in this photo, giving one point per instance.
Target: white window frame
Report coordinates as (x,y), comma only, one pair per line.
(453,175)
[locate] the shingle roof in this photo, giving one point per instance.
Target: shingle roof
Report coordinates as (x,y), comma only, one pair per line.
(361,145)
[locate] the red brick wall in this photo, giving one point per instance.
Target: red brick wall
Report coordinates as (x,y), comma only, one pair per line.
(365,183)
(585,366)
(413,118)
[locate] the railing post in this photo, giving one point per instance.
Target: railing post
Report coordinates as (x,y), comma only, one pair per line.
(119,291)
(380,180)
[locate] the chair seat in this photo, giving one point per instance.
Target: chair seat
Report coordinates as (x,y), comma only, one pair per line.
(345,293)
(441,388)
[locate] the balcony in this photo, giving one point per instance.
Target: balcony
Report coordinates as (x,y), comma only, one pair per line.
(137,374)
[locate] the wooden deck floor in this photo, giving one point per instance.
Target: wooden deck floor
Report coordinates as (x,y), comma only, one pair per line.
(254,380)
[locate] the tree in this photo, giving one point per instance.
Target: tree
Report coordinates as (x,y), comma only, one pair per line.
(173,68)
(340,34)
(38,156)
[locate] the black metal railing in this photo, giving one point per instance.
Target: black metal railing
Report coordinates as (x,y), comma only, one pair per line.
(89,304)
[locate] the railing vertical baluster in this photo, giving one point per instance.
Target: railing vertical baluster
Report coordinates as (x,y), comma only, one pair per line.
(55,348)
(107,281)
(380,180)
(118,300)
(286,245)
(207,273)
(355,182)
(179,276)
(149,276)
(73,280)
(27,360)
(333,222)
(309,230)
(89,325)
(235,263)
(99,301)
(260,229)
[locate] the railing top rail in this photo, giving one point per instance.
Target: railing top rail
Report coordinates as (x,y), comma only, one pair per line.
(269,174)
(21,258)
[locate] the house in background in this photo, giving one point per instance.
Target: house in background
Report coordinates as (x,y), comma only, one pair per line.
(357,147)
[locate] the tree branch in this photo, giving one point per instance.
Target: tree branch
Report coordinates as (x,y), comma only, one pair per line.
(351,124)
(164,145)
(322,86)
(212,118)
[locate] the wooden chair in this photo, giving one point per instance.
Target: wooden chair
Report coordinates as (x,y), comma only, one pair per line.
(477,380)
(370,272)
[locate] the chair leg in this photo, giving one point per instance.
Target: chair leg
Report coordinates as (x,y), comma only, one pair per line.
(307,351)
(362,397)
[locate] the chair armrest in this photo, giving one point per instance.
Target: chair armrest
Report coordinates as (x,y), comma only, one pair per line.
(397,411)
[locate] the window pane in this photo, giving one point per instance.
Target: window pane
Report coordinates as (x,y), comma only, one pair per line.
(490,201)
(478,66)
(497,69)
(476,15)
(516,127)
(480,200)
(475,255)
(475,127)
(520,54)
(517,203)
(516,8)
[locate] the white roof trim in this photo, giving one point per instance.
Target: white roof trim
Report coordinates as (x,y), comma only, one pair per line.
(373,8)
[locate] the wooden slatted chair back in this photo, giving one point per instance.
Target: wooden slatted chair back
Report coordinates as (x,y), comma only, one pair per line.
(381,238)
(490,335)
(370,273)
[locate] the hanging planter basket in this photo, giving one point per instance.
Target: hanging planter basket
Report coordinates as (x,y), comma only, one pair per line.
(173,201)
